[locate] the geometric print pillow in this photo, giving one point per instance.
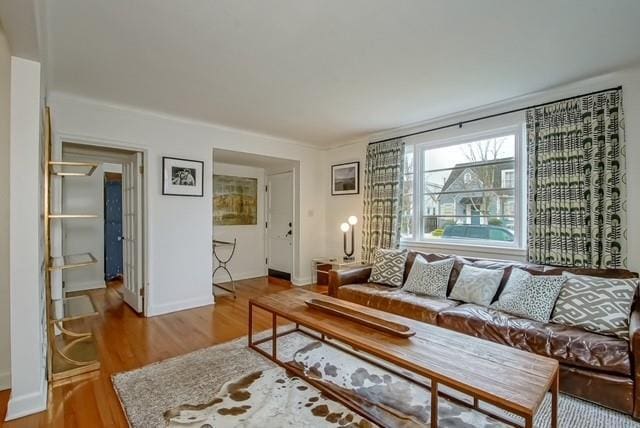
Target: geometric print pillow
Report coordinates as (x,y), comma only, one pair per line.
(477,285)
(530,296)
(388,267)
(600,305)
(430,279)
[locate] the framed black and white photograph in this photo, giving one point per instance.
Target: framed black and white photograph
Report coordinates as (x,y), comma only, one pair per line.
(345,179)
(182,177)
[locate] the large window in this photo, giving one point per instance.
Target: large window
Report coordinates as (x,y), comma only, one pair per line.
(466,191)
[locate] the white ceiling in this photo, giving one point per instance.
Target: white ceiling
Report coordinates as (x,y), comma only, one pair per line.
(329,71)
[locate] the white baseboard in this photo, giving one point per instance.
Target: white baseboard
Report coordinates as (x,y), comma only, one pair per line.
(27,404)
(180,305)
(70,287)
(222,277)
(306,280)
(5,380)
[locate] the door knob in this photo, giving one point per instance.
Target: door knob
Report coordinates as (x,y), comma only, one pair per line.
(289,233)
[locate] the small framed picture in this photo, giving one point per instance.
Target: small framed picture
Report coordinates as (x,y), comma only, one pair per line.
(345,179)
(182,177)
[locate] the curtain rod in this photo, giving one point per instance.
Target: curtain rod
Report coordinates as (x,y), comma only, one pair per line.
(464,122)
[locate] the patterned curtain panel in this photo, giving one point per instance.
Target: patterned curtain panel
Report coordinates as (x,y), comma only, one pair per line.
(382,197)
(577,182)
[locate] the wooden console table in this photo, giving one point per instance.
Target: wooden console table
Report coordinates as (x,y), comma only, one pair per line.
(508,378)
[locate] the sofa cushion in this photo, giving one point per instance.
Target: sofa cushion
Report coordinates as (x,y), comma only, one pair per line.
(477,285)
(388,267)
(459,263)
(390,299)
(600,305)
(530,296)
(429,279)
(569,345)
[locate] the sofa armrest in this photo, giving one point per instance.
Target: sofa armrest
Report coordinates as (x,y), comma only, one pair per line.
(634,345)
(634,331)
(354,275)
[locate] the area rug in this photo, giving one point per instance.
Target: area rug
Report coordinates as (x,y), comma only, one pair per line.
(230,385)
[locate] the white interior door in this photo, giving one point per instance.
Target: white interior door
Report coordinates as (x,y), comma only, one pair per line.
(132,232)
(280,222)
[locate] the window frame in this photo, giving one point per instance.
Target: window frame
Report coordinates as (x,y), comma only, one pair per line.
(518,246)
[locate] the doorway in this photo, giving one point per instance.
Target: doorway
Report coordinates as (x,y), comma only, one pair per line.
(113,269)
(114,236)
(280,225)
(255,206)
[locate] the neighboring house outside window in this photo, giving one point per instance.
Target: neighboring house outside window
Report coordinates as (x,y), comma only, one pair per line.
(467,192)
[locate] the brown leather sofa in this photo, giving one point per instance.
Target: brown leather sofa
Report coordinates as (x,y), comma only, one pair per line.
(601,369)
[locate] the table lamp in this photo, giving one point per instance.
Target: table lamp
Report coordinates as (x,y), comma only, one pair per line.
(350,224)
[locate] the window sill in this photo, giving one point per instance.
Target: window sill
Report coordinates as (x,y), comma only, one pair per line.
(492,251)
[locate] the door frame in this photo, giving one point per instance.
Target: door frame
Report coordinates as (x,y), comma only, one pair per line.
(61,137)
(294,224)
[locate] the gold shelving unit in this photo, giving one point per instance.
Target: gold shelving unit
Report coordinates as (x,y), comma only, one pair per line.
(62,216)
(72,351)
(72,169)
(71,261)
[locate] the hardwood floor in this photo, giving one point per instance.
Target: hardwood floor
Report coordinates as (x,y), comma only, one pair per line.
(127,341)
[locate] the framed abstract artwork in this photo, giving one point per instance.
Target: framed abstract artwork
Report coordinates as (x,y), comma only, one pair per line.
(235,200)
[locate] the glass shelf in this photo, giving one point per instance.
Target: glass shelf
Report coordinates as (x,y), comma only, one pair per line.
(72,169)
(84,354)
(71,261)
(72,308)
(63,216)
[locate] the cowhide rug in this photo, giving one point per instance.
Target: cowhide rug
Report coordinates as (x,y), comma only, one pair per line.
(271,398)
(265,399)
(230,385)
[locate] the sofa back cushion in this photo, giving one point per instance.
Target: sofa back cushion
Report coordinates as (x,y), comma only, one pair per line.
(429,278)
(458,263)
(597,304)
(507,266)
(388,267)
(530,296)
(477,285)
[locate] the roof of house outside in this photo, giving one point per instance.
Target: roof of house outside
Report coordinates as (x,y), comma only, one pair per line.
(460,168)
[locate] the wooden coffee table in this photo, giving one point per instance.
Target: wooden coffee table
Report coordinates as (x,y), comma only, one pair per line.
(508,378)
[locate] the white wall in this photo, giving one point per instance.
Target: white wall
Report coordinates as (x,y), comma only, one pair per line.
(179,256)
(5,91)
(629,78)
(249,257)
(28,379)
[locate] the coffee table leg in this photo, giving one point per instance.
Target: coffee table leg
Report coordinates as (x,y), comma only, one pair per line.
(250,333)
(274,336)
(528,422)
(555,388)
(434,404)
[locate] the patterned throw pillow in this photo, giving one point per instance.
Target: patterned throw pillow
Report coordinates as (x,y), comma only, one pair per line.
(530,296)
(388,267)
(601,305)
(429,278)
(477,285)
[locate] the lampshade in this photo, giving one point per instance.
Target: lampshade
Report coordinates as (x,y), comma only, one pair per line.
(353,220)
(344,227)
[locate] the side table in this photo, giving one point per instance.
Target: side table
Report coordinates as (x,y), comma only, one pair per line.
(321,266)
